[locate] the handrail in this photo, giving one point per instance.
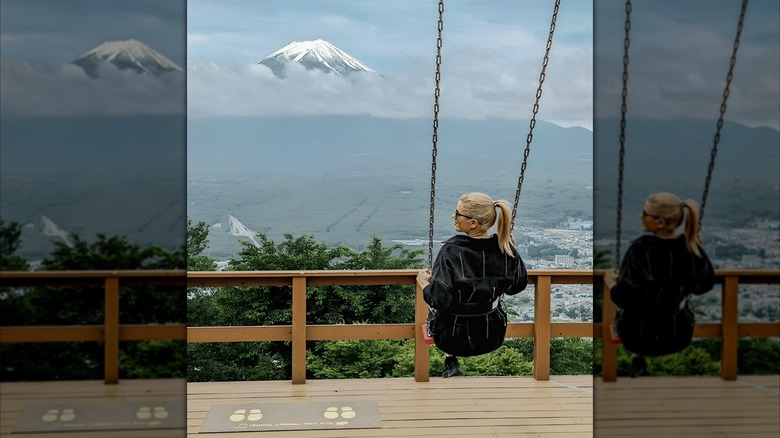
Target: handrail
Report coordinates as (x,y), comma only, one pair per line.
(111,332)
(729,329)
(299,332)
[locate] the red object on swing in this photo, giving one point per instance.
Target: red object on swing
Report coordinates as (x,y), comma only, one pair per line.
(613,335)
(426,336)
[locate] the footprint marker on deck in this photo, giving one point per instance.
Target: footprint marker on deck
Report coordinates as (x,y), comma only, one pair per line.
(240,415)
(144,413)
(254,415)
(332,412)
(160,412)
(54,414)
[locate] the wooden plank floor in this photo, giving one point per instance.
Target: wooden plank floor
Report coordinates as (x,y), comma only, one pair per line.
(457,407)
(688,407)
(15,395)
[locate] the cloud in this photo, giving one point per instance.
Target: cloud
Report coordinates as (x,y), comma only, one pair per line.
(473,86)
(9,38)
(665,84)
(65,90)
(196,38)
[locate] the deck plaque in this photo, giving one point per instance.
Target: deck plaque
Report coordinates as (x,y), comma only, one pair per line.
(70,417)
(254,417)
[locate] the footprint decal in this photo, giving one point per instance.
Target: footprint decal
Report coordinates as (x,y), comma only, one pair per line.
(240,415)
(160,412)
(67,415)
(254,415)
(333,412)
(144,413)
(51,415)
(54,414)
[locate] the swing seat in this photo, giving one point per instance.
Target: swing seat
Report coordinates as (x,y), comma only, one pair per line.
(655,334)
(466,335)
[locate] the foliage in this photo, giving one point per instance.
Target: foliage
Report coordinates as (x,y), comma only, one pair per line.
(10,239)
(226,306)
(355,359)
(197,241)
(571,356)
(390,358)
(702,357)
(84,305)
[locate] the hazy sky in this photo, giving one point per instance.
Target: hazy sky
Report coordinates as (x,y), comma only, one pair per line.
(492,55)
(58,32)
(679,57)
(40,39)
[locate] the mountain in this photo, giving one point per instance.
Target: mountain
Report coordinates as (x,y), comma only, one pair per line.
(314,55)
(129,54)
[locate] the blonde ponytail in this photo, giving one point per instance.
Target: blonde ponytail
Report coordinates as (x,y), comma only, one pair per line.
(482,208)
(691,228)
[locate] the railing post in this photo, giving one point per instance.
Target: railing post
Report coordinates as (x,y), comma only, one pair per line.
(608,349)
(422,353)
(542,328)
(729,326)
(298,330)
(111,328)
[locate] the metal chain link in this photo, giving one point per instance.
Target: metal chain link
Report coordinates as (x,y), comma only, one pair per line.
(716,139)
(623,110)
(530,136)
(435,133)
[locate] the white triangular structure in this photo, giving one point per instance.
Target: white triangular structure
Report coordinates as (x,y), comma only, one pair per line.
(239,229)
(51,229)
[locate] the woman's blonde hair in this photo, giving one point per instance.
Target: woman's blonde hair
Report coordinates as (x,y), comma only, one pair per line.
(669,207)
(481,207)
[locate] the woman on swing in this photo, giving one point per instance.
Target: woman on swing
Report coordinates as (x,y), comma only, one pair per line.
(469,276)
(658,273)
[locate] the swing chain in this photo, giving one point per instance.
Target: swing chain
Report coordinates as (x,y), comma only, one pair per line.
(530,136)
(716,139)
(436,94)
(623,110)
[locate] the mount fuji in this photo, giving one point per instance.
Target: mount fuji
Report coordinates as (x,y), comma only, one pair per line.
(314,55)
(129,54)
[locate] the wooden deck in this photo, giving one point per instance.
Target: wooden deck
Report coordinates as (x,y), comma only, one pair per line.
(456,407)
(14,396)
(564,406)
(688,407)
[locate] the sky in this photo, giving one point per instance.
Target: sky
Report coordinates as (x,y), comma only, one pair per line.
(41,38)
(679,57)
(491,58)
(57,32)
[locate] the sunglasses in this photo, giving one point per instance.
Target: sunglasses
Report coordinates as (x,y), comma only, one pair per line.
(646,214)
(457,214)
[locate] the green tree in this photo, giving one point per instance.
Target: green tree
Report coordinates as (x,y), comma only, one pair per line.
(226,306)
(84,305)
(10,239)
(197,241)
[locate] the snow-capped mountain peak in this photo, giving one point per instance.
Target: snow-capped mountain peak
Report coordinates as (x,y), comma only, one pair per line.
(317,54)
(128,54)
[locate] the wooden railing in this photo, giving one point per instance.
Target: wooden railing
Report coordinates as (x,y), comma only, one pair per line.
(111,332)
(729,329)
(542,329)
(299,332)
